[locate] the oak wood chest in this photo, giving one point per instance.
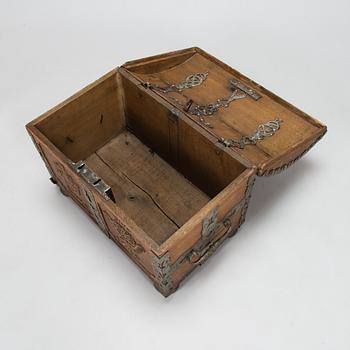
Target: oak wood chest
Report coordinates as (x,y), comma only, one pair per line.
(162,154)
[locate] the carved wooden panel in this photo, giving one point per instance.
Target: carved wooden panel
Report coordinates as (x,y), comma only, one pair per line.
(120,233)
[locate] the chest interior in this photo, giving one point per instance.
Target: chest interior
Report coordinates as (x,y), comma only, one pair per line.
(162,162)
(161,167)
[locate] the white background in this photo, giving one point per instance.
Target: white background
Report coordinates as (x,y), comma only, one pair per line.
(282,283)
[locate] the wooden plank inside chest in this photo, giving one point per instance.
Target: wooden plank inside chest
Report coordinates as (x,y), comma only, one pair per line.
(149,190)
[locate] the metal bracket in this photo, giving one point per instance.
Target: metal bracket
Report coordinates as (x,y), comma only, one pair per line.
(201,251)
(174,115)
(209,227)
(206,247)
(249,91)
(91,178)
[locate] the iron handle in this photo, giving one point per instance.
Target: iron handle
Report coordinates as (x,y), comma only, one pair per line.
(199,257)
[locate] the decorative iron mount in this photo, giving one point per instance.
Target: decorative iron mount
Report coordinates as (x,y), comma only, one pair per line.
(264,130)
(206,245)
(240,91)
(211,108)
(190,82)
(249,91)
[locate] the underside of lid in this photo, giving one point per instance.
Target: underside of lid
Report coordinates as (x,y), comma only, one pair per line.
(296,133)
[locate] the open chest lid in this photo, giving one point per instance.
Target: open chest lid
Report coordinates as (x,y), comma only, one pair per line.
(254,123)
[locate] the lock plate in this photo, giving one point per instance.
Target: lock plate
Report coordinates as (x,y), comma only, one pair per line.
(93,179)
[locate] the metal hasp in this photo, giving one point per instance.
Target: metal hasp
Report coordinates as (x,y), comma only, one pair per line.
(249,91)
(91,178)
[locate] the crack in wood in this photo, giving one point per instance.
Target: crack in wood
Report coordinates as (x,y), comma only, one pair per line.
(142,189)
(153,200)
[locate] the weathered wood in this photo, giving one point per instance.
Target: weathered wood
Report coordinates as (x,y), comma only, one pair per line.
(243,116)
(230,206)
(87,120)
(179,192)
(149,190)
(115,223)
(179,140)
(188,234)
(160,62)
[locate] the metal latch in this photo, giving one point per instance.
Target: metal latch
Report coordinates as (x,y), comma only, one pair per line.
(249,91)
(90,177)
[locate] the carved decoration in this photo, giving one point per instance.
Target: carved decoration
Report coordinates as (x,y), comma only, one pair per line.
(42,155)
(120,234)
(163,271)
(74,187)
(209,223)
(290,163)
(71,186)
(81,194)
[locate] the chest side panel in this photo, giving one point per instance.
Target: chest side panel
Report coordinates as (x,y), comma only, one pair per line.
(198,240)
(112,221)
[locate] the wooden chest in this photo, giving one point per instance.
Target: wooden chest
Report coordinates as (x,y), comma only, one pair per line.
(162,153)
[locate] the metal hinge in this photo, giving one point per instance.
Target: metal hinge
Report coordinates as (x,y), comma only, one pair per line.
(91,178)
(174,115)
